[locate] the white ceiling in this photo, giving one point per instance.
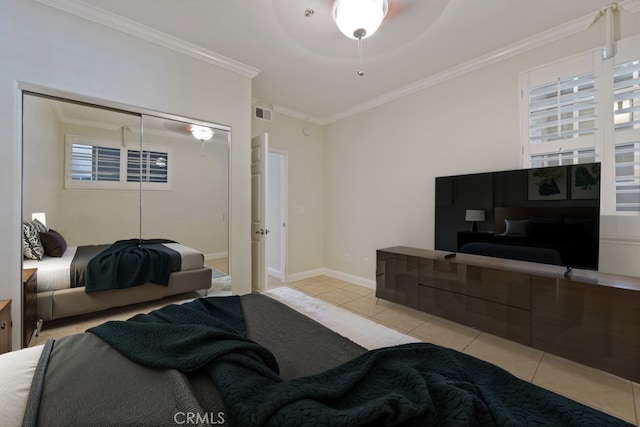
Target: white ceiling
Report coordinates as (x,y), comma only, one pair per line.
(307,67)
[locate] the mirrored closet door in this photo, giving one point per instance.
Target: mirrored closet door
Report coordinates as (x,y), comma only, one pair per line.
(97,175)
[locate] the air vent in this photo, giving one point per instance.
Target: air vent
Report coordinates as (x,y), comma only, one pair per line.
(263,114)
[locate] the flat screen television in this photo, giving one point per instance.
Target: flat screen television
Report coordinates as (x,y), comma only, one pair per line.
(547,215)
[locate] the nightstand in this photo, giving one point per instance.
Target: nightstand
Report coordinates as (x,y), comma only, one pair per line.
(465,237)
(29,304)
(5,326)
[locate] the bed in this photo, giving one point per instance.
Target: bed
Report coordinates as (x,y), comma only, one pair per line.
(251,360)
(62,275)
(566,236)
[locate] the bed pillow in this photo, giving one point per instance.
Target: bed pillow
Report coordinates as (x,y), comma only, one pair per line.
(516,227)
(53,243)
(31,245)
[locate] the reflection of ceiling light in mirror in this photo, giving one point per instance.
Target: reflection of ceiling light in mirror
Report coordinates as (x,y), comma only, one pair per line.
(359,19)
(201,132)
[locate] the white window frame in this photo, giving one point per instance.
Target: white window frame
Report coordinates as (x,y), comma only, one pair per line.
(605,138)
(122,184)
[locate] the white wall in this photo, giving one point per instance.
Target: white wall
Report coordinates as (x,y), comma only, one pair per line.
(305,189)
(380,164)
(43,46)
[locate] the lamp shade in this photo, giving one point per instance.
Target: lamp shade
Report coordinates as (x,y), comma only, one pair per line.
(359,18)
(474,215)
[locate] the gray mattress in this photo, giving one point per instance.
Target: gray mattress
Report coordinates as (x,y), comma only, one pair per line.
(86,376)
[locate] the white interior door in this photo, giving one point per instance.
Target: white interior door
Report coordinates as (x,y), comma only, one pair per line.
(259,231)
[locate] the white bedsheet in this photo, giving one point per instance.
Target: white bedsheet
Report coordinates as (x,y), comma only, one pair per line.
(17,368)
(53,273)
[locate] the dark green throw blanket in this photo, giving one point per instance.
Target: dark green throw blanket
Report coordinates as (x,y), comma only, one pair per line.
(129,263)
(407,385)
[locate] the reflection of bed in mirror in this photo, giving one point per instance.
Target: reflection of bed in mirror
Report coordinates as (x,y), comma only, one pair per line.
(564,236)
(64,287)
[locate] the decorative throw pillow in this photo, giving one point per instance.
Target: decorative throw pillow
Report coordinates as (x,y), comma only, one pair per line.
(53,243)
(31,245)
(516,227)
(40,227)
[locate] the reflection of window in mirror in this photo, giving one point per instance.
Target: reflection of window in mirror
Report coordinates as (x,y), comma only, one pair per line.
(93,163)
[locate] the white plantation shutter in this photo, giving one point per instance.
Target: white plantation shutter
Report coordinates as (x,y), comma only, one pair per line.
(148,166)
(93,163)
(563,158)
(562,109)
(626,95)
(627,177)
(626,118)
(586,109)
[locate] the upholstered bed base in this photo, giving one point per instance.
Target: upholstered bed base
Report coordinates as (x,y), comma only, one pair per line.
(74,301)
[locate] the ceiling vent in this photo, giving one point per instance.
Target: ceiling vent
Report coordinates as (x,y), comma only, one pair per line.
(263,114)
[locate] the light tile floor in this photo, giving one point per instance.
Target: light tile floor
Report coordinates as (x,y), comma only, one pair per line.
(595,388)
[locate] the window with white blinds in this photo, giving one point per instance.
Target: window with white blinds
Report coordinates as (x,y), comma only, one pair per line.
(563,158)
(102,164)
(94,163)
(585,109)
(562,109)
(627,177)
(147,166)
(626,95)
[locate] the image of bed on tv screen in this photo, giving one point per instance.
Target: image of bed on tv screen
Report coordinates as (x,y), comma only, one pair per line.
(545,215)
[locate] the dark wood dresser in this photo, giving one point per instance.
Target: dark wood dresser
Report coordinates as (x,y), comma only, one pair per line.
(30,304)
(589,317)
(5,326)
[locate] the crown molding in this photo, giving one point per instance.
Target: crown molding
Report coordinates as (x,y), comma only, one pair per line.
(119,23)
(557,33)
(298,115)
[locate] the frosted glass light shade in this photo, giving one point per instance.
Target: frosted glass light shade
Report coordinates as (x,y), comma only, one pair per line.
(201,132)
(354,15)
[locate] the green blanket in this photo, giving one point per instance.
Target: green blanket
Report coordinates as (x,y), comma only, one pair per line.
(407,385)
(129,263)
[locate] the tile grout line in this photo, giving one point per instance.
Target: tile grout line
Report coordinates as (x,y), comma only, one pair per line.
(635,404)
(535,372)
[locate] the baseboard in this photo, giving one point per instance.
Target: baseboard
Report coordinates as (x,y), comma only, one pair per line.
(216,255)
(275,273)
(356,280)
(305,275)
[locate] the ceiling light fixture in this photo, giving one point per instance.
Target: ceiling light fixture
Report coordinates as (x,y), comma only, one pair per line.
(201,132)
(359,19)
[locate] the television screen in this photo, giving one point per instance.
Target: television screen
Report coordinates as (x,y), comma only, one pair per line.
(548,215)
